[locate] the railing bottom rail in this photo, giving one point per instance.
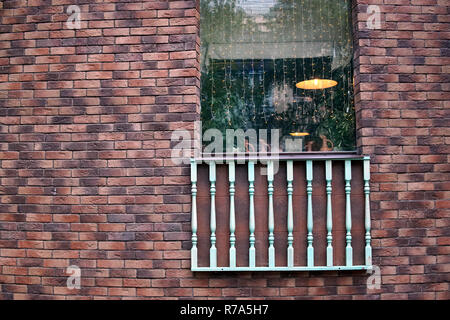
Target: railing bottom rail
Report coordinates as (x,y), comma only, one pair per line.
(299,268)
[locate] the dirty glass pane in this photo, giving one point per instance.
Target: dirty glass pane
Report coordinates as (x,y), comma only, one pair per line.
(255,52)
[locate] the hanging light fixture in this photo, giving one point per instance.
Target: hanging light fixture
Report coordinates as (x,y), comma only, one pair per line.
(315,84)
(299,134)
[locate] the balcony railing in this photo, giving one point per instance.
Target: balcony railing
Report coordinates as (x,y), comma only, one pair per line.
(288,214)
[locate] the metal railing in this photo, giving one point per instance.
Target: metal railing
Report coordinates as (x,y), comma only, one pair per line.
(289,245)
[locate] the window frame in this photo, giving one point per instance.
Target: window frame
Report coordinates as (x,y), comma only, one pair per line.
(300,155)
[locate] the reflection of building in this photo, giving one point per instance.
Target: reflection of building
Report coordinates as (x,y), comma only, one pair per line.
(255,7)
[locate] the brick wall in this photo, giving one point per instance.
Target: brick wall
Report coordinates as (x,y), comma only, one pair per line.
(403,120)
(86,177)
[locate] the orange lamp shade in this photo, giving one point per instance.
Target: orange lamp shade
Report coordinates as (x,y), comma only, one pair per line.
(314,84)
(299,134)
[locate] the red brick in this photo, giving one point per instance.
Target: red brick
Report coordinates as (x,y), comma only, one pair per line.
(85,153)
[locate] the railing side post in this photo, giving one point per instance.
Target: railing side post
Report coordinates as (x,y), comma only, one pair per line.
(213,249)
(348,213)
(231,178)
(271,217)
(251,221)
(290,217)
(368,250)
(194,213)
(309,223)
(328,178)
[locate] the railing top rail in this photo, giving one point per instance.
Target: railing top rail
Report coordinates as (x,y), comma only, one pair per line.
(224,157)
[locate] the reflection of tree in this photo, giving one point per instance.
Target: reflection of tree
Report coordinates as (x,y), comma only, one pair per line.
(311,19)
(215,11)
(314,20)
(329,112)
(335,116)
(223,19)
(245,93)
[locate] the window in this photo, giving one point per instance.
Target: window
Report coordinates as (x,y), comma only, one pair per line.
(281,65)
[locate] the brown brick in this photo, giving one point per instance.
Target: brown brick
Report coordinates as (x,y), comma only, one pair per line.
(86,175)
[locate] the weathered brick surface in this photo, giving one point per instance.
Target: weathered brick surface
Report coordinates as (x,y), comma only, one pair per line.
(86,177)
(403,120)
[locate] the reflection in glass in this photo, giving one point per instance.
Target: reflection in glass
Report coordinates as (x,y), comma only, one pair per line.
(255,52)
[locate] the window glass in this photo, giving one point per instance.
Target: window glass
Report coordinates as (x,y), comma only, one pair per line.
(279,64)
